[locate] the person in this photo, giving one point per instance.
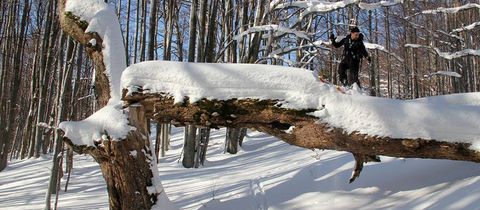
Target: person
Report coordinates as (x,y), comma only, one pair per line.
(354,50)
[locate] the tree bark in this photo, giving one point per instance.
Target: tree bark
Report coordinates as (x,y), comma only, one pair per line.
(126,165)
(72,27)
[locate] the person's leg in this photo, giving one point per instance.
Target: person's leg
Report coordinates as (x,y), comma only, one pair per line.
(342,72)
(353,73)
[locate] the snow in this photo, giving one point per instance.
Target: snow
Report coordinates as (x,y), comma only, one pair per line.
(451,10)
(279,31)
(447,73)
(103,20)
(300,89)
(374,6)
(316,6)
(413,45)
(458,54)
(110,121)
(374,46)
(465,28)
(297,88)
(382,48)
(266,173)
(448,55)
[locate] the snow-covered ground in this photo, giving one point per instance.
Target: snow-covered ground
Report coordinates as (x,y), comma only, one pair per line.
(265,174)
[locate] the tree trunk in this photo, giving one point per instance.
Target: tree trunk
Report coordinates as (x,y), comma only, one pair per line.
(202,30)
(188,160)
(192,31)
(232,140)
(128,165)
(307,132)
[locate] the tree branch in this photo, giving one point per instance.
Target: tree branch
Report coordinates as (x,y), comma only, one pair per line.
(75,28)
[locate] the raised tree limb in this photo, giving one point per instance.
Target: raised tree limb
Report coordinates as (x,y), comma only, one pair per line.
(75,28)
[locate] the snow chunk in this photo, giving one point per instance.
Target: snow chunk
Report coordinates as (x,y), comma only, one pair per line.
(290,130)
(93,42)
(133,153)
(110,120)
(374,46)
(103,20)
(447,73)
(294,87)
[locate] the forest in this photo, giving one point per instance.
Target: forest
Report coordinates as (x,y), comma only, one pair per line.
(418,49)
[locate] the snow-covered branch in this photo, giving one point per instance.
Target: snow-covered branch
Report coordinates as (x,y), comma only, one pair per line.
(445,73)
(383,49)
(452,9)
(373,6)
(278,31)
(466,28)
(447,55)
(316,6)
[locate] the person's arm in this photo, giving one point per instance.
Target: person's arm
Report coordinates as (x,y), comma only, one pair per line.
(335,43)
(365,52)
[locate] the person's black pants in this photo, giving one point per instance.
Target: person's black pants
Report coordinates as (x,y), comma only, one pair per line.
(352,66)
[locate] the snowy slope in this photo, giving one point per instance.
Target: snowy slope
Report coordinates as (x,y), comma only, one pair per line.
(266,174)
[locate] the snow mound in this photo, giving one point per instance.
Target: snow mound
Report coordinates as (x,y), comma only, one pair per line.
(110,121)
(295,88)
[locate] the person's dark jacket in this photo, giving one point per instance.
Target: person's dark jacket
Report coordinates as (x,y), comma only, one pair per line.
(353,49)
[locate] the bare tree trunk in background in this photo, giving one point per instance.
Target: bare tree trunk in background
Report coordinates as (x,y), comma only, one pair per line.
(211,34)
(192,31)
(388,46)
(202,30)
(188,160)
(127,34)
(137,27)
(64,76)
(143,31)
(7,122)
(243,27)
(372,64)
(255,42)
(152,31)
(45,59)
(170,15)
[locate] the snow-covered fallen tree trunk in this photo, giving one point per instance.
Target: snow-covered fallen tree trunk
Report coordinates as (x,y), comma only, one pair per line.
(293,105)
(295,127)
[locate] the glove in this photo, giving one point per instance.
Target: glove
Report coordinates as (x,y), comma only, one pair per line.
(332,37)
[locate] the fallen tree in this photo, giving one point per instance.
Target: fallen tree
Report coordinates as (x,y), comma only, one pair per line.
(128,164)
(295,127)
